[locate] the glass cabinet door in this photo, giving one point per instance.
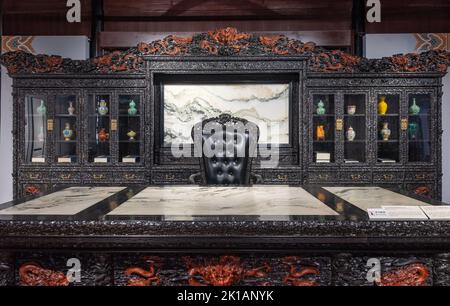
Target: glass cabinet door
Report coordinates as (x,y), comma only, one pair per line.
(99,124)
(35,132)
(388,131)
(355,127)
(323,128)
(419,128)
(65,129)
(129,129)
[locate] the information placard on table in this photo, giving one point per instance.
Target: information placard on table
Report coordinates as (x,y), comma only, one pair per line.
(396,213)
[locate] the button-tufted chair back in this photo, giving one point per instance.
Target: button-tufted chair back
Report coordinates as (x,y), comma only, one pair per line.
(228,147)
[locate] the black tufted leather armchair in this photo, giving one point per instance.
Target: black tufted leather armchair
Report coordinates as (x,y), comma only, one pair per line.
(228,147)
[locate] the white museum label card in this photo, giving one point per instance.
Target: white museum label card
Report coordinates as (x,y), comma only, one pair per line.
(441,212)
(397,213)
(377,214)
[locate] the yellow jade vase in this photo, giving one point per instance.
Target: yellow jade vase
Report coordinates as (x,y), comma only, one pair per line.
(382,106)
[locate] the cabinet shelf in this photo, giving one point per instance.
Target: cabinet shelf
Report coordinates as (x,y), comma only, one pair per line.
(419,115)
(98,142)
(388,115)
(129,116)
(65,116)
(99,116)
(36,115)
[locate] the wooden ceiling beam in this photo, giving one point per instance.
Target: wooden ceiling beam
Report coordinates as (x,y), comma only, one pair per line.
(221,8)
(97,26)
(284,25)
(186,5)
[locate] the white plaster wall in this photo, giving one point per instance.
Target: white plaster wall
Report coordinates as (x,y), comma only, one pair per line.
(75,47)
(446,139)
(6,150)
(380,45)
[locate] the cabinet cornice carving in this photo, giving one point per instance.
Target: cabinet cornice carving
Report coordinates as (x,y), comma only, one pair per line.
(226,42)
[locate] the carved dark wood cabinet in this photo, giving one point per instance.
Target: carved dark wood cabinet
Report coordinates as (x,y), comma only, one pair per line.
(349,121)
(99,149)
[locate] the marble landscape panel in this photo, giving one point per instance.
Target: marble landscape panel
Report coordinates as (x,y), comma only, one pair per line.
(185,201)
(373,197)
(267,105)
(67,202)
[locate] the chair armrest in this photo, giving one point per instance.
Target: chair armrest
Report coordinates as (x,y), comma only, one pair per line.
(193,176)
(256,178)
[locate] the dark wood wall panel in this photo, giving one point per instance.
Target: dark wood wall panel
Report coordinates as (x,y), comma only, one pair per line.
(413,16)
(48,17)
(305,8)
(243,25)
(35,17)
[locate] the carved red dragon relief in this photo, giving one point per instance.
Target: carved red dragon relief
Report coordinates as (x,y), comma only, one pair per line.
(422,190)
(32,274)
(32,190)
(415,274)
(144,277)
(224,271)
(296,276)
(226,42)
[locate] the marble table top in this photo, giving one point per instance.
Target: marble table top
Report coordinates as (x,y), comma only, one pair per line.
(373,197)
(70,201)
(207,203)
(274,202)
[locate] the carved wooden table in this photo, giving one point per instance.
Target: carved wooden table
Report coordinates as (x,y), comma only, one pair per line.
(181,235)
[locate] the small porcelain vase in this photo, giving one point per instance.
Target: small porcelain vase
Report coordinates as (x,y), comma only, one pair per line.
(41,110)
(103,108)
(414,109)
(132,110)
(382,106)
(320,132)
(131,134)
(41,135)
(351,109)
(320,108)
(385,131)
(351,134)
(103,135)
(413,128)
(67,132)
(71,109)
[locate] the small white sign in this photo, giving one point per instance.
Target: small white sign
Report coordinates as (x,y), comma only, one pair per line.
(397,213)
(377,214)
(437,212)
(38,160)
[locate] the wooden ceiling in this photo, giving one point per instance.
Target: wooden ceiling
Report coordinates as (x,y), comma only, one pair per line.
(47,17)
